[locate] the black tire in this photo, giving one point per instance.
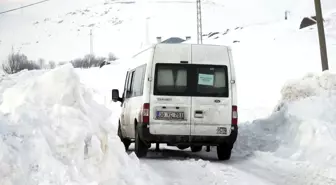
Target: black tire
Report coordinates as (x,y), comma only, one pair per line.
(224,151)
(125,141)
(196,148)
(141,148)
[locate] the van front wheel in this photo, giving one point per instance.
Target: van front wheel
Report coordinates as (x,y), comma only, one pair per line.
(126,142)
(140,147)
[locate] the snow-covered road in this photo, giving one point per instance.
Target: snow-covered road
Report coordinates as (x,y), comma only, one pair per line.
(179,167)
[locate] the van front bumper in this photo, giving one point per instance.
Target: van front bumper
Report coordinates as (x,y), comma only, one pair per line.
(147,137)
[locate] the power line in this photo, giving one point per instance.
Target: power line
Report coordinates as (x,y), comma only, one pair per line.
(11,10)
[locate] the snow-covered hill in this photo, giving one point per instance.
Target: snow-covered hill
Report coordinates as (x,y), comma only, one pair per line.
(60,30)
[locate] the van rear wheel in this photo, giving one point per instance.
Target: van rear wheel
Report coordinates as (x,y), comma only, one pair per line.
(196,148)
(224,151)
(182,147)
(125,141)
(140,147)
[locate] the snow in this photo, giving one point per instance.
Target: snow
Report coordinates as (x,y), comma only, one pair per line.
(299,133)
(120,26)
(309,86)
(309,111)
(202,172)
(285,104)
(53,132)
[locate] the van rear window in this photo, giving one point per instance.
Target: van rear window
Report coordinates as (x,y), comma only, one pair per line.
(191,80)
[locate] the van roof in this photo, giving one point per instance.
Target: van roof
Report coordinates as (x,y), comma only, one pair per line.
(154,45)
(135,63)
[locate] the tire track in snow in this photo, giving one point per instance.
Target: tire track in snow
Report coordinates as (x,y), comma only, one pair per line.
(183,167)
(284,172)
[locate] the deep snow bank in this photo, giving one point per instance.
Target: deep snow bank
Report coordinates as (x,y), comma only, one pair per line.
(101,81)
(303,128)
(52,132)
(22,77)
(309,86)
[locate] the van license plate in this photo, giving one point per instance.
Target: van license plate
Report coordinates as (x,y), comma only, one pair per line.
(170,115)
(221,130)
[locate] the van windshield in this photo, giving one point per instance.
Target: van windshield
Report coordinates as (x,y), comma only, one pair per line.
(191,80)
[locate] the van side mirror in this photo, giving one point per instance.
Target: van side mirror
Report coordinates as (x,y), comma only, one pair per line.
(115,95)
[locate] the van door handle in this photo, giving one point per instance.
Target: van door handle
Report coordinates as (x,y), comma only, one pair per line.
(198,114)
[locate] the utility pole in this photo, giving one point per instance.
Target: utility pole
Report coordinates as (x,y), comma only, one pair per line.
(91,43)
(320,27)
(199,22)
(91,47)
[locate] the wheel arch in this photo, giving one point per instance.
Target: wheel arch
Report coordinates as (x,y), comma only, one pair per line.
(135,123)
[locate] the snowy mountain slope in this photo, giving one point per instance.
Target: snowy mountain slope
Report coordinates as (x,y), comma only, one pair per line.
(59,30)
(53,132)
(62,35)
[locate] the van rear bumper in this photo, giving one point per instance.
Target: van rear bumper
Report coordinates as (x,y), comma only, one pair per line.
(147,137)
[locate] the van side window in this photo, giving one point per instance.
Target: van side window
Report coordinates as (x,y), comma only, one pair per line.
(143,78)
(125,85)
(137,89)
(129,85)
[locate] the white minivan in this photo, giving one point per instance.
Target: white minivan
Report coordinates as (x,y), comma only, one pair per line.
(182,95)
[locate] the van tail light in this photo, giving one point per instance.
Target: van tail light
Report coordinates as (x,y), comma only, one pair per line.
(145,113)
(234,115)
